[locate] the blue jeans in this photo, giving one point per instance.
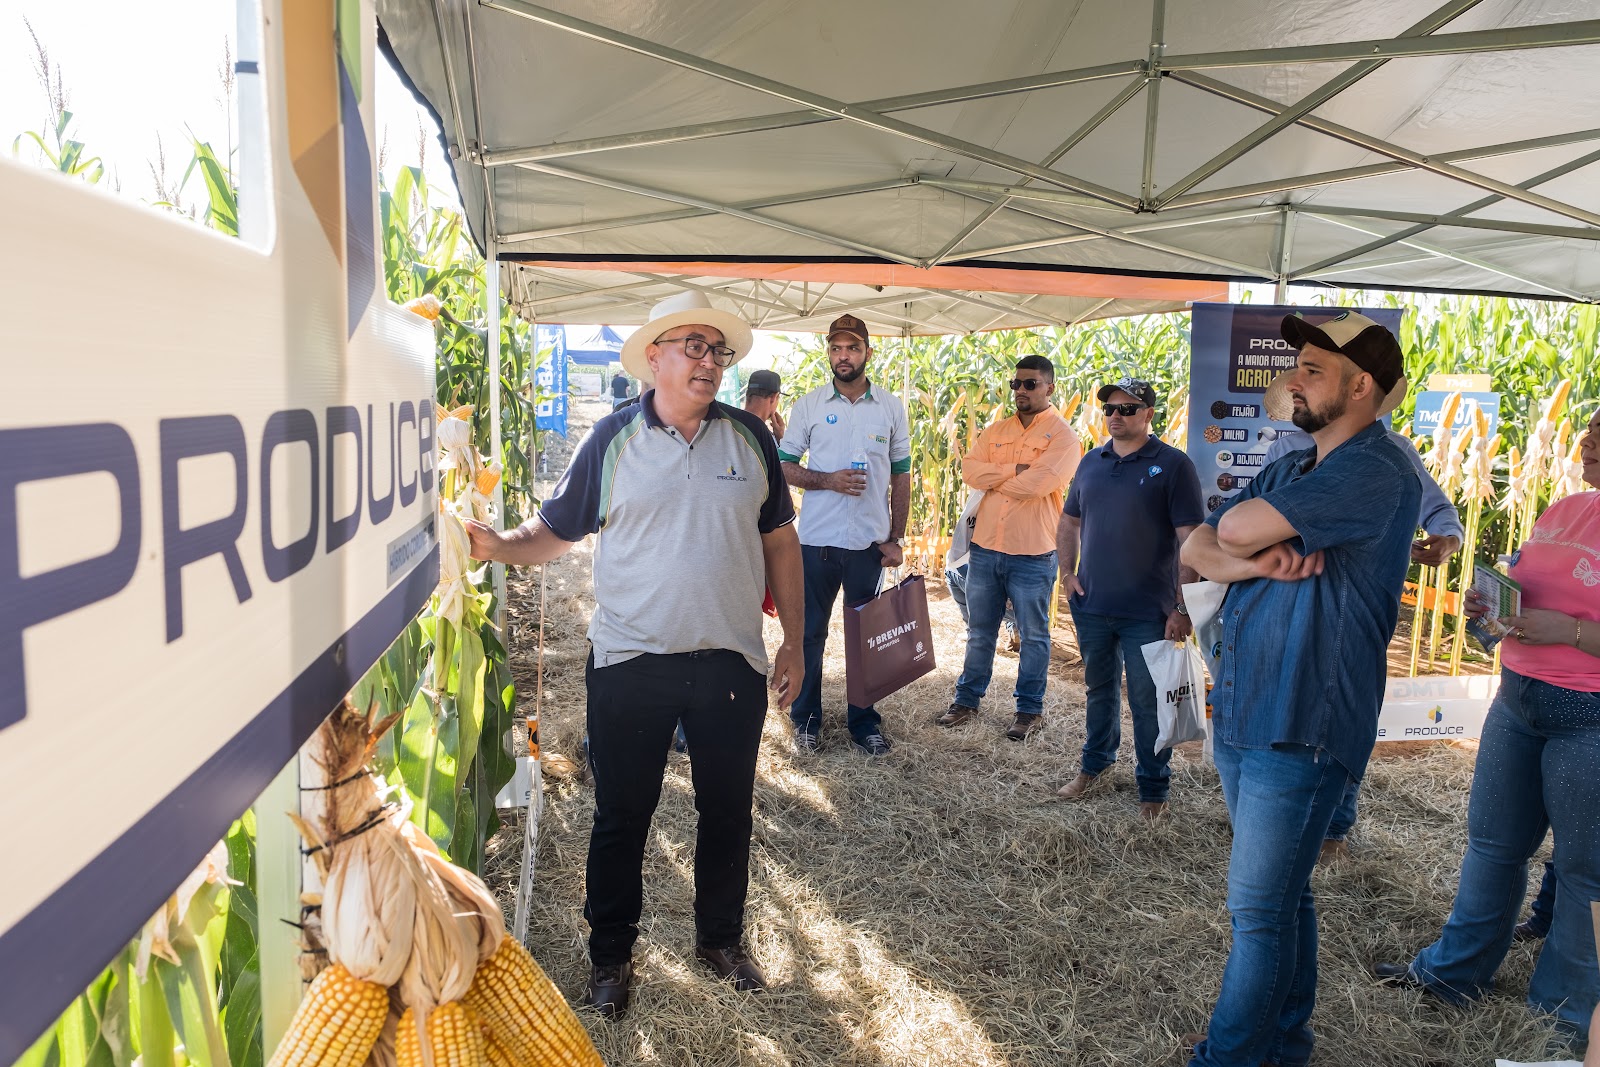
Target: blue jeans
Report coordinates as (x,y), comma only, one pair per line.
(956,581)
(1538,767)
(1345,817)
(858,571)
(992,579)
(1107,643)
(1279,801)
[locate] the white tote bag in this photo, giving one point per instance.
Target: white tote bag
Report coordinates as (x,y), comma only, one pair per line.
(1180,679)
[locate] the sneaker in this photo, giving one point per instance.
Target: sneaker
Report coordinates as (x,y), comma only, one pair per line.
(872,745)
(1023,726)
(806,743)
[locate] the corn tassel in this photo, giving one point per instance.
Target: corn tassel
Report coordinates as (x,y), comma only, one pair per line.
(455,1038)
(336,1024)
(527,1012)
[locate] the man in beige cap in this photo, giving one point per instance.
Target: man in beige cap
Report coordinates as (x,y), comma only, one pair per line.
(665,485)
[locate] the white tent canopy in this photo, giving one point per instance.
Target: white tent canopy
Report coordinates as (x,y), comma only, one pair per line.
(1014,161)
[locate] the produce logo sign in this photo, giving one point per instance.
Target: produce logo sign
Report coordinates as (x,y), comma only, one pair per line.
(215,513)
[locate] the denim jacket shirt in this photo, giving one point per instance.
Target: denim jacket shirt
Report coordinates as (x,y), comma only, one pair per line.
(1306,662)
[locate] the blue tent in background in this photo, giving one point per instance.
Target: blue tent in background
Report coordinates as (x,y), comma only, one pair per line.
(594,345)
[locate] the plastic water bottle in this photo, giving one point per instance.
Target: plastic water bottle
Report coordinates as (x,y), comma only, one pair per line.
(858,462)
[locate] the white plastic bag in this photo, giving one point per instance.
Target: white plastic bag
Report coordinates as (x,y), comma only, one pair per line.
(1180,678)
(1204,601)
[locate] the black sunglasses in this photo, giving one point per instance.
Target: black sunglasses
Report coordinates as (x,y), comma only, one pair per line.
(1125,410)
(1029,384)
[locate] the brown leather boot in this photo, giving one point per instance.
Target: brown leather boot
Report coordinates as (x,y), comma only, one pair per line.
(958,714)
(1079,787)
(735,965)
(1151,810)
(609,989)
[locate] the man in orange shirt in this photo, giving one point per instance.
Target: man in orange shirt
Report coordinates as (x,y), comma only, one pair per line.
(1023,464)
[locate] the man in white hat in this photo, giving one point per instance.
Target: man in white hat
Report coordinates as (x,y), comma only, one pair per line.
(1316,547)
(666,485)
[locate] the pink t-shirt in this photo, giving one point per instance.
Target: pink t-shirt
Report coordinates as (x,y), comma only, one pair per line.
(1559,569)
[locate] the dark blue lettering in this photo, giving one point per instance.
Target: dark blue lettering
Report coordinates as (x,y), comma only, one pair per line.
(203,435)
(408,417)
(378,508)
(283,427)
(345,420)
(37,453)
(425,458)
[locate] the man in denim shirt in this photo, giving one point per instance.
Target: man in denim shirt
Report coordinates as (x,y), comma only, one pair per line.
(1316,549)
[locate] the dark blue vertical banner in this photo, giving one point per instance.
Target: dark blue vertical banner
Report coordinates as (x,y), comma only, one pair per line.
(1235,352)
(551,379)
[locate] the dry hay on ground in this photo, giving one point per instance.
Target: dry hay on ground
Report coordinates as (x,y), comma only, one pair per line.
(939,907)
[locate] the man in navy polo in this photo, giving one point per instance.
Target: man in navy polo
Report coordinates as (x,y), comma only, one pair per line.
(1132,503)
(1316,548)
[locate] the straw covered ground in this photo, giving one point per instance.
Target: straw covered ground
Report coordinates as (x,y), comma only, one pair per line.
(939,906)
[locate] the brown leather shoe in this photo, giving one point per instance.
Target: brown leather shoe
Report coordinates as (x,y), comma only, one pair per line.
(958,714)
(609,989)
(1333,852)
(1079,787)
(1023,726)
(1151,810)
(734,965)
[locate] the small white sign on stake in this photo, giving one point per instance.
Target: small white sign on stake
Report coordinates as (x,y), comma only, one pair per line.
(1436,708)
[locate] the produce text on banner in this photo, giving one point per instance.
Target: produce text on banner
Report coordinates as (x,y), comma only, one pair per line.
(230,521)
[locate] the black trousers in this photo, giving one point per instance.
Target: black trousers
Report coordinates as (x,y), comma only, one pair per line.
(633,709)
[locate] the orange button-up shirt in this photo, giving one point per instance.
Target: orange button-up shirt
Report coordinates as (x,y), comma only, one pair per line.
(1019,513)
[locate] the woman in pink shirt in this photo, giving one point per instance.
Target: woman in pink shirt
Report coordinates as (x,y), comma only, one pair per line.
(1538,768)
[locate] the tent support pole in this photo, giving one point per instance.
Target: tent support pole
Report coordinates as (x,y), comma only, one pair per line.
(1152,100)
(491,307)
(1283,253)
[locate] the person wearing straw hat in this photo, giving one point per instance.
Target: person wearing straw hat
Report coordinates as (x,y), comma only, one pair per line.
(1443,533)
(857,443)
(1316,548)
(668,485)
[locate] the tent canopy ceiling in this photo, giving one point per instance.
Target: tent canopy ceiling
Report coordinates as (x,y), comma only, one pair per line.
(1013,162)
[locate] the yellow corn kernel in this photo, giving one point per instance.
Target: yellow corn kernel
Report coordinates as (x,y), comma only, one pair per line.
(336,1024)
(455,1038)
(527,1013)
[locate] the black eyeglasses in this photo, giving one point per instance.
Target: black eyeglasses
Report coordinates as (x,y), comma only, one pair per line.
(1029,384)
(1125,410)
(695,348)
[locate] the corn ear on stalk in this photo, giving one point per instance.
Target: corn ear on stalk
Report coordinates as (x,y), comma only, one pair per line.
(527,1013)
(452,1034)
(336,1024)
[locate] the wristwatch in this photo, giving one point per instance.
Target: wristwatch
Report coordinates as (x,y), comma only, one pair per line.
(1183,609)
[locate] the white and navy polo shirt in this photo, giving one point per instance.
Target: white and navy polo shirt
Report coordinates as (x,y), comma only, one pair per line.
(678,563)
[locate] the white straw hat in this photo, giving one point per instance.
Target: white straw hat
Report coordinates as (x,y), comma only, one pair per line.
(689,306)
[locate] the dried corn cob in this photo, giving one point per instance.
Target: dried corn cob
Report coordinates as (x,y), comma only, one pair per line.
(336,1024)
(526,1011)
(455,1038)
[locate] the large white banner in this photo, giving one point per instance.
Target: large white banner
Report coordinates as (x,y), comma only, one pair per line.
(216,503)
